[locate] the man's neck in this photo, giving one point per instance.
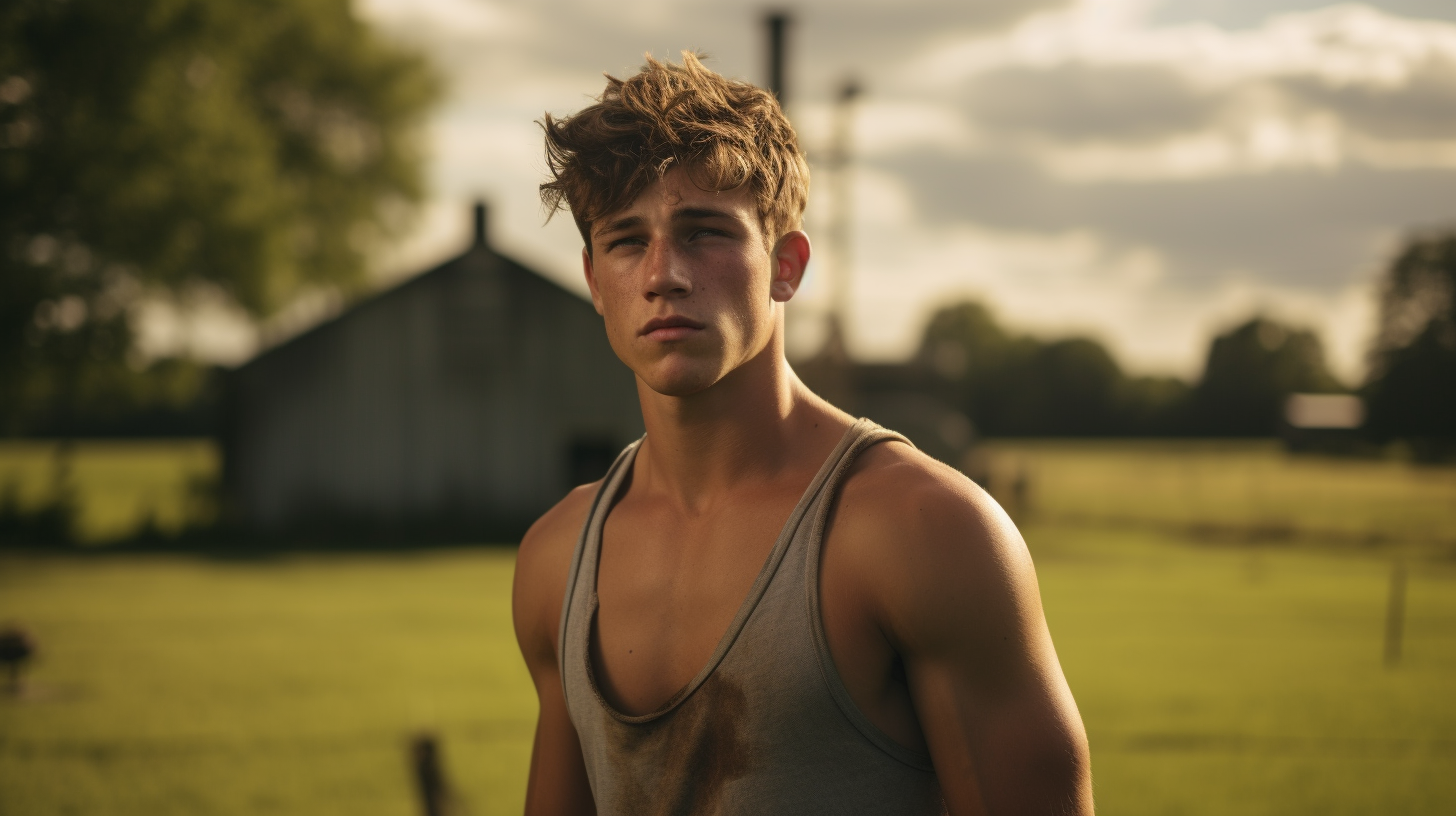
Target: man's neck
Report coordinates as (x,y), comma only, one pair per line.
(755,424)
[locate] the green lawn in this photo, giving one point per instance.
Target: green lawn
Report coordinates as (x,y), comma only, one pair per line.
(118,486)
(1251,681)
(174,685)
(1235,490)
(1214,677)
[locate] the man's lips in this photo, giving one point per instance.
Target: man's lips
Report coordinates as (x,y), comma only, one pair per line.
(672,327)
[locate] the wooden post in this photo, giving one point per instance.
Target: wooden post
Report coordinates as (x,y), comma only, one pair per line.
(1395,616)
(429,775)
(778,26)
(16,647)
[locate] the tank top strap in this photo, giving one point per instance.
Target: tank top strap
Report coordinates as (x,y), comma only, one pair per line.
(588,545)
(868,434)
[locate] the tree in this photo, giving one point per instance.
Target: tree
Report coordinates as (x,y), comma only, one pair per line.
(972,359)
(1251,370)
(1018,385)
(1411,391)
(161,147)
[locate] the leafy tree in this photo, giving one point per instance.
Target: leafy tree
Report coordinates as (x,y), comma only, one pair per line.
(1065,387)
(972,359)
(1251,370)
(157,147)
(1411,392)
(1018,385)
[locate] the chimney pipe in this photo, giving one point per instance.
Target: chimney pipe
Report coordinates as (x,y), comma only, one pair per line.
(480,234)
(778,27)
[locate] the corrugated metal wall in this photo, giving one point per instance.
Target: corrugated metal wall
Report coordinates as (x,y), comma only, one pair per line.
(454,401)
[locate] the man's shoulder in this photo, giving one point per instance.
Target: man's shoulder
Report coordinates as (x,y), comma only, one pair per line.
(895,488)
(559,527)
(542,564)
(911,530)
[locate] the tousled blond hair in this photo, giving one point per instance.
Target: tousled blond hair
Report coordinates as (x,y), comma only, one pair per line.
(725,133)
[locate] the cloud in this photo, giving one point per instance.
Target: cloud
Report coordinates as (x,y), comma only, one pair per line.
(1074,103)
(1095,93)
(1147,172)
(1419,107)
(444,18)
(1056,281)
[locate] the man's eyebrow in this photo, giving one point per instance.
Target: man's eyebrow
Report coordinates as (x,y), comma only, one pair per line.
(692,213)
(627,222)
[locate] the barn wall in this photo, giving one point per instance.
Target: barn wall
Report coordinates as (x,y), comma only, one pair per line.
(453,400)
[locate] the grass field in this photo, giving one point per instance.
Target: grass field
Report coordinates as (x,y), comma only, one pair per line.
(173,685)
(1248,491)
(118,486)
(1215,677)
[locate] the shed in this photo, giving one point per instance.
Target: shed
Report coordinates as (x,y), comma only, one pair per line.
(464,402)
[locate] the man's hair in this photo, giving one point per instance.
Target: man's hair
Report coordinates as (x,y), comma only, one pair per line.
(724,133)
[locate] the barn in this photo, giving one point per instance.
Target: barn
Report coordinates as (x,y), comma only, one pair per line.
(463,402)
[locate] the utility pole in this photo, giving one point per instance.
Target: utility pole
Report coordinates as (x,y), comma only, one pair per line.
(841,224)
(777,23)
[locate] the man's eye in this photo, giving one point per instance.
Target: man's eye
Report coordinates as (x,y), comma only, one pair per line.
(702,231)
(623,242)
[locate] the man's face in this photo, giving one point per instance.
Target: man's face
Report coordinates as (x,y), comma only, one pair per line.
(687,287)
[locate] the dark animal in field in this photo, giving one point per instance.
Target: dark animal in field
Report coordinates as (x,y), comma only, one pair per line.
(17,647)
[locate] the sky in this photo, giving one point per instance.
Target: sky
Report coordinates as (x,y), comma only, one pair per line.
(1144,172)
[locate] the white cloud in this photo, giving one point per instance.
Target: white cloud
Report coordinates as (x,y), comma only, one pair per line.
(1058,283)
(451,18)
(1310,90)
(1347,43)
(1082,167)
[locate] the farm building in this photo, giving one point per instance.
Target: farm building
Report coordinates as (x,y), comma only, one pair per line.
(465,401)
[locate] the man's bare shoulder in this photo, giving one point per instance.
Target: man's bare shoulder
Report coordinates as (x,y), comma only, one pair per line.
(923,540)
(541,566)
(898,497)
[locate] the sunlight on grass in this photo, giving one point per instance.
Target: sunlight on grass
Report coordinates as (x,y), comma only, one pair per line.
(119,486)
(1212,680)
(1231,489)
(1217,674)
(181,685)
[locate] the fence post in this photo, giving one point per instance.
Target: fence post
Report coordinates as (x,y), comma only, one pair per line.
(429,775)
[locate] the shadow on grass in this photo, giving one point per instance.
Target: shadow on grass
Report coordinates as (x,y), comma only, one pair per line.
(50,528)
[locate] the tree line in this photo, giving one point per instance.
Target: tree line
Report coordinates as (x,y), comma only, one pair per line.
(161,148)
(1011,384)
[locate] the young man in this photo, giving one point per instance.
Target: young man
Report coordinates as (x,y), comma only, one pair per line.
(766,606)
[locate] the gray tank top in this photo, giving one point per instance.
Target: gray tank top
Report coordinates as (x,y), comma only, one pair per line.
(767,727)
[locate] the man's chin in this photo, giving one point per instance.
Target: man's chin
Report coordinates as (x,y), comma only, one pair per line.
(682,381)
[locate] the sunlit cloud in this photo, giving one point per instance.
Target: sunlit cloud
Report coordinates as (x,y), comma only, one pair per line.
(1094,92)
(1083,166)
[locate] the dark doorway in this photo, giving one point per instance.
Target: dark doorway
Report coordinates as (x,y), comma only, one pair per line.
(589,458)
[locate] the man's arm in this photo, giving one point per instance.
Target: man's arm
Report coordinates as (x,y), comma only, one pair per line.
(955,594)
(558,782)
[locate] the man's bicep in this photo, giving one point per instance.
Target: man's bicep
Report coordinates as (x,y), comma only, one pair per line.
(995,708)
(538,589)
(558,783)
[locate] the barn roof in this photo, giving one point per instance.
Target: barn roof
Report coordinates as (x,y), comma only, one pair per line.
(480,255)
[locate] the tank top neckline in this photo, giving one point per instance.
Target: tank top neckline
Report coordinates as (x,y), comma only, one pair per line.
(592,558)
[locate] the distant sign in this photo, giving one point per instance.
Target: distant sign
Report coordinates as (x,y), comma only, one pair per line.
(1324,411)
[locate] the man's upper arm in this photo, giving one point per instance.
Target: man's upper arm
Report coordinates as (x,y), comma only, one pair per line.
(558,782)
(960,604)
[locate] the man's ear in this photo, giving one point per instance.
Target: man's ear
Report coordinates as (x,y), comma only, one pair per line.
(790,257)
(591,279)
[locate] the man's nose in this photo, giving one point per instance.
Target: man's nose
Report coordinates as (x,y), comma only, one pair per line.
(667,272)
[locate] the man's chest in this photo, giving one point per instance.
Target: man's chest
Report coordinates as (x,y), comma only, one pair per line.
(668,586)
